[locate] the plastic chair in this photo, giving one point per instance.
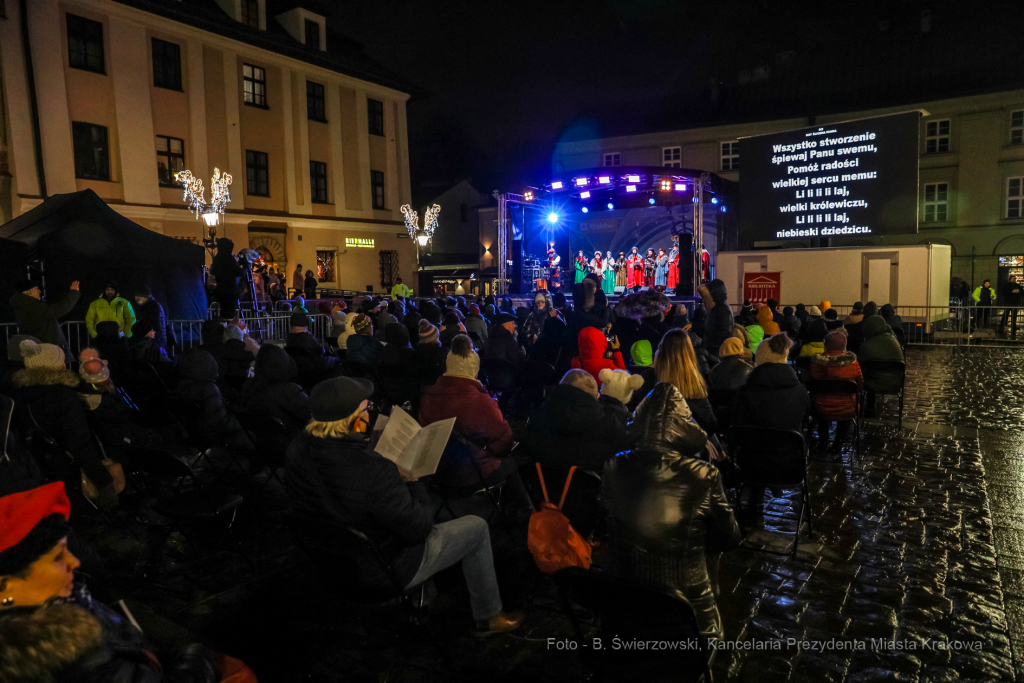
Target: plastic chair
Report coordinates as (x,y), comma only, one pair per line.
(773,458)
(841,388)
(634,612)
(879,378)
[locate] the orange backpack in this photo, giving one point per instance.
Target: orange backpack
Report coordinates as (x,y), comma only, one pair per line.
(551,539)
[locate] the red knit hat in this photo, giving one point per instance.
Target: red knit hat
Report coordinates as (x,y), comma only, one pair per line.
(21,512)
(474,309)
(835,343)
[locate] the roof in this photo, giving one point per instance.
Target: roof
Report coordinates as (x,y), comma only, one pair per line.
(343,55)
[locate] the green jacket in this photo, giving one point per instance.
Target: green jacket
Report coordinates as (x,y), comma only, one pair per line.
(879,344)
(401,289)
(991,295)
(117,310)
(756,333)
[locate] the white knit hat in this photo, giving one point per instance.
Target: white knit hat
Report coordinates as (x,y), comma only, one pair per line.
(462,359)
(38,355)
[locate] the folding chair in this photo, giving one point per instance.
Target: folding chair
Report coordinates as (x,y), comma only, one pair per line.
(885,377)
(634,612)
(270,437)
(773,458)
(840,388)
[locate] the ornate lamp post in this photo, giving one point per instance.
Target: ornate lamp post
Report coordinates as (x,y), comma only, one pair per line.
(219,198)
(412,220)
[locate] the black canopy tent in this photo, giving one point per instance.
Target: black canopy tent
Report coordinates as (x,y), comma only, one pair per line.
(13,262)
(76,236)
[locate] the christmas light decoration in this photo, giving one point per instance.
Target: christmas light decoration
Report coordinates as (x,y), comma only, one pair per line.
(412,222)
(194,194)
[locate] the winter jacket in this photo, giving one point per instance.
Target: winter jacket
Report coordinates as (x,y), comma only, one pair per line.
(311,360)
(812,349)
(853,319)
(198,384)
(831,406)
(61,413)
(767,323)
(502,344)
(574,428)
(718,324)
(772,397)
(364,349)
(665,505)
(703,414)
(400,289)
(730,374)
(402,357)
(80,640)
(342,481)
(273,390)
(476,323)
(117,310)
(756,334)
(588,311)
(37,318)
(477,419)
(534,325)
(894,321)
(593,344)
(880,344)
(431,360)
(984,296)
(153,313)
(233,360)
(225,270)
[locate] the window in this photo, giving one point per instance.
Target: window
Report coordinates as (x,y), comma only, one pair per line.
(315,107)
(92,156)
(376,113)
(1015,197)
(312,34)
(85,43)
(1017,127)
(325,265)
(166,64)
(170,159)
(318,182)
(611,159)
(936,202)
(255,83)
(257,181)
(936,137)
(464,213)
(730,156)
(251,13)
(377,186)
(672,157)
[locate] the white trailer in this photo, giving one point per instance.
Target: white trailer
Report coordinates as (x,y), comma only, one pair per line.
(915,278)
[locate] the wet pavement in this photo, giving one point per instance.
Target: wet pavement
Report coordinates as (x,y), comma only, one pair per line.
(914,570)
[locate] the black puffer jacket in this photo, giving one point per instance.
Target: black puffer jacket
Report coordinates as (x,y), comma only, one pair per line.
(772,397)
(718,325)
(79,640)
(730,374)
(666,506)
(574,428)
(341,480)
(198,384)
(274,392)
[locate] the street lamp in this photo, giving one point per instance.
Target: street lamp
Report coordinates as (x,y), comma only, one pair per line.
(412,223)
(219,198)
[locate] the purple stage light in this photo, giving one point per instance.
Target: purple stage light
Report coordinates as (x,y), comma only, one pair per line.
(604,180)
(581,182)
(585,194)
(633,178)
(556,184)
(630,188)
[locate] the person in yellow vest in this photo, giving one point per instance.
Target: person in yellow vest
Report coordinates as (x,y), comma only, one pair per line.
(110,307)
(400,290)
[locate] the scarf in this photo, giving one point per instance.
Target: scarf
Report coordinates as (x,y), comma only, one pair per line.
(597,262)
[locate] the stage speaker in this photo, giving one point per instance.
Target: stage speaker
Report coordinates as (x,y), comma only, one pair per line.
(685,287)
(519,281)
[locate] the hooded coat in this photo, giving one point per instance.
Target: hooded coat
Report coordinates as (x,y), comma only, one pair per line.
(767,321)
(534,324)
(834,407)
(593,345)
(665,505)
(574,428)
(880,344)
(37,318)
(198,384)
(718,324)
(273,390)
(771,397)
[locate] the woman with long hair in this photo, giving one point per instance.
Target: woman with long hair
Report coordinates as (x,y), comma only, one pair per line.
(675,363)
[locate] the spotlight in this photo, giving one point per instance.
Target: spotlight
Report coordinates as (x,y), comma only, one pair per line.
(556,184)
(581,182)
(553,217)
(633,178)
(630,188)
(585,210)
(666,185)
(528,195)
(604,180)
(714,200)
(585,194)
(651,200)
(610,206)
(680,187)
(723,208)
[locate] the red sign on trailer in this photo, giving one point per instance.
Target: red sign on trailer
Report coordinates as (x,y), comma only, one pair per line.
(759,287)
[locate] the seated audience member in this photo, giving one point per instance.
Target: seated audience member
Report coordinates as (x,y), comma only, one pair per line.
(397,351)
(274,391)
(746,315)
(879,345)
(855,332)
(832,321)
(332,474)
(888,314)
(590,309)
(790,323)
(476,324)
(740,332)
(597,353)
(576,425)
(801,314)
(772,396)
(112,345)
(144,345)
(835,363)
(502,343)
(431,357)
(311,359)
(49,390)
(856,315)
(478,420)
(676,363)
(300,305)
(52,629)
(384,318)
(642,353)
(732,372)
(667,508)
(362,346)
(337,336)
(411,321)
(237,353)
(765,318)
(198,384)
(452,327)
(814,338)
(756,334)
(773,306)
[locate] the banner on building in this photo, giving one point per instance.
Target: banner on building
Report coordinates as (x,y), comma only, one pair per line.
(759,287)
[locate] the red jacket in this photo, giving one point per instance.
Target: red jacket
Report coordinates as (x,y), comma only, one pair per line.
(593,344)
(830,407)
(477,418)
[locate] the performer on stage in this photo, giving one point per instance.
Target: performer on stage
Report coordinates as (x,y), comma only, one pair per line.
(650,265)
(673,267)
(581,267)
(622,273)
(705,265)
(608,283)
(661,271)
(554,269)
(597,267)
(635,276)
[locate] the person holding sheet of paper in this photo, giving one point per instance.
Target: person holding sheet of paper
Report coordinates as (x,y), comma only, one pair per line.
(332,473)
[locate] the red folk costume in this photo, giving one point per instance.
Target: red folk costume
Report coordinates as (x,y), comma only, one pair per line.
(673,268)
(635,270)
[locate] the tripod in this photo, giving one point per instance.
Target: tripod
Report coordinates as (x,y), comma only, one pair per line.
(257,329)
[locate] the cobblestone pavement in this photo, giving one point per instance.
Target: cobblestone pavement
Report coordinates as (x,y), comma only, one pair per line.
(918,542)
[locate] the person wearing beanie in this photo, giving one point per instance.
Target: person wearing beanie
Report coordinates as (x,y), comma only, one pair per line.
(476,325)
(235,356)
(400,359)
(824,306)
(766,319)
(813,312)
(150,311)
(384,318)
(37,318)
(109,306)
(478,420)
(790,323)
(836,363)
(273,389)
(746,315)
(50,390)
(363,347)
(502,343)
(772,395)
(431,357)
(801,314)
(337,337)
(732,372)
(855,316)
(198,373)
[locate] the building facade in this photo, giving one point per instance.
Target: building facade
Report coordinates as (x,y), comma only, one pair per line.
(118,95)
(971,172)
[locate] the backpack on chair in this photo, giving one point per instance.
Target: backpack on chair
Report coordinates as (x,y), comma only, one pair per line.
(552,541)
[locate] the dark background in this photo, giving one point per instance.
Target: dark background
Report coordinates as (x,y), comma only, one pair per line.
(891,197)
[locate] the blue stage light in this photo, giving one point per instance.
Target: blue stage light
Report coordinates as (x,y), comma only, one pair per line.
(610,206)
(714,200)
(553,217)
(723,208)
(585,210)
(651,200)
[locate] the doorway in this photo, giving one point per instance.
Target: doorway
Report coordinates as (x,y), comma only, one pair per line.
(880,275)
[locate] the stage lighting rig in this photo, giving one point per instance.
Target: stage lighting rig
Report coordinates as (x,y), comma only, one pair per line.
(553,217)
(528,195)
(666,184)
(557,185)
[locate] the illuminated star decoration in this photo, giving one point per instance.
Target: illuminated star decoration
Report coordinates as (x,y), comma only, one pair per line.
(193,192)
(412,220)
